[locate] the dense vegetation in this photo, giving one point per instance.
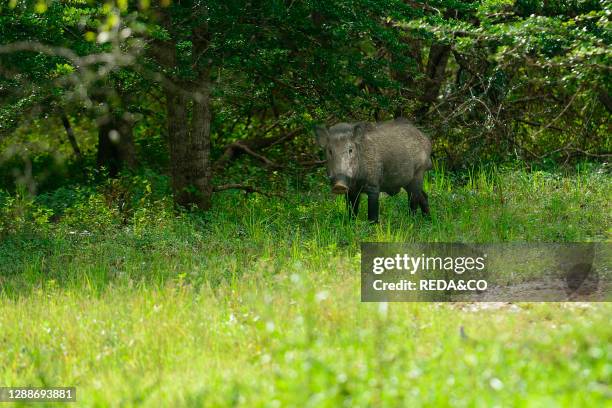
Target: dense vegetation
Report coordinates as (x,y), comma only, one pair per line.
(491,80)
(167,234)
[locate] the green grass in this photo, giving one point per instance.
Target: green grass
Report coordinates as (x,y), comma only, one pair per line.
(257,302)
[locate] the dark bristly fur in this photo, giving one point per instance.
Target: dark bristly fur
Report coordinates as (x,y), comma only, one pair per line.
(373,158)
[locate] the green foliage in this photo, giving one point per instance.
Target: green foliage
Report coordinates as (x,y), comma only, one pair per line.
(20,215)
(524,79)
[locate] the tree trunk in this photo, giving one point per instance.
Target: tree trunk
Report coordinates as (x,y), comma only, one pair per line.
(108,152)
(116,148)
(605,99)
(188,117)
(189,143)
(200,136)
(436,68)
(127,148)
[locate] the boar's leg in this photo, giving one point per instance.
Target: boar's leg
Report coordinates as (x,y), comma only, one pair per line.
(352,203)
(373,196)
(424,203)
(417,197)
(412,198)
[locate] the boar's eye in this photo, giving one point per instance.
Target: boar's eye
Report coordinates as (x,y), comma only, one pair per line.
(350,151)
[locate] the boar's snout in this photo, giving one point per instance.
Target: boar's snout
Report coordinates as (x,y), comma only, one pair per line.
(340,185)
(339,188)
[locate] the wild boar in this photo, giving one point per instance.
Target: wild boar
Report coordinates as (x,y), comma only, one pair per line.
(379,157)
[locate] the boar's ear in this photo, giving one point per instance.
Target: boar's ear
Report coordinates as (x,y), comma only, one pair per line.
(322,135)
(359,132)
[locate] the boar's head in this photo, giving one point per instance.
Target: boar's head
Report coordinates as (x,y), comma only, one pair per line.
(342,145)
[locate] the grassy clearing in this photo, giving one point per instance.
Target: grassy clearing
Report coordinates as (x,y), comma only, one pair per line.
(257,303)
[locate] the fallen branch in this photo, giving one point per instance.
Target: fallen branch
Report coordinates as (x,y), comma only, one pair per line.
(584,152)
(248,150)
(244,187)
(312,163)
(250,146)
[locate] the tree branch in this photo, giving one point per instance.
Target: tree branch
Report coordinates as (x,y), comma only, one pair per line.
(312,163)
(529,122)
(248,150)
(244,187)
(70,134)
(250,145)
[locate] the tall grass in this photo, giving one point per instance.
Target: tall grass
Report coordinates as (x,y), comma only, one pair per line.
(257,302)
